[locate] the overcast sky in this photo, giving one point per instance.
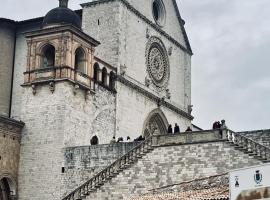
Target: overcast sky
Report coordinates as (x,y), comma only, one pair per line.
(230,67)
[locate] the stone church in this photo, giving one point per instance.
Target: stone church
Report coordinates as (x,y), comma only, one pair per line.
(115,68)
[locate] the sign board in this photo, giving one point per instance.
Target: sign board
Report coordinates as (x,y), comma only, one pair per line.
(251,183)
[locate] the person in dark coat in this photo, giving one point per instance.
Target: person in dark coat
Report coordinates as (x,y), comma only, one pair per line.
(120,140)
(94,140)
(176,128)
(218,125)
(170,129)
(139,139)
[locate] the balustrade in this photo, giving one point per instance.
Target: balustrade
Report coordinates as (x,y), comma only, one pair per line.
(251,146)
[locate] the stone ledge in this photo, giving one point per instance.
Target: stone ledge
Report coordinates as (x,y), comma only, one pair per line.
(188,138)
(10,121)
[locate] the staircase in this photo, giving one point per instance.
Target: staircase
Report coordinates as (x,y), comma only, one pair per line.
(238,141)
(111,171)
(260,136)
(249,146)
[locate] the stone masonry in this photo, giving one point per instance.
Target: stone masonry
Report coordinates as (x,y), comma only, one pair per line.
(173,164)
(10,136)
(81,163)
(55,121)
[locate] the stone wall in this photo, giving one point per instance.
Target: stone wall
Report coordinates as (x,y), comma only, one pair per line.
(81,163)
(102,21)
(171,165)
(171,26)
(7,39)
(54,121)
(10,135)
(133,44)
(133,109)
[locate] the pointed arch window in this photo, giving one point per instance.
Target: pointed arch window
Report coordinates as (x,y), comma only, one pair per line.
(48,56)
(80,60)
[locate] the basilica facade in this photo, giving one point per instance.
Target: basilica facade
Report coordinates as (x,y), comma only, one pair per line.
(115,68)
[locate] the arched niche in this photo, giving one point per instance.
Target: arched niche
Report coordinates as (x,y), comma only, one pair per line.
(80,60)
(96,72)
(104,76)
(47,56)
(155,124)
(112,80)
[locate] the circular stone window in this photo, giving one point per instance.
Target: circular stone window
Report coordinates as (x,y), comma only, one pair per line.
(159,12)
(157,63)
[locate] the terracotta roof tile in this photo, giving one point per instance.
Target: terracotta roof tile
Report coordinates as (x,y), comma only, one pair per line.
(210,188)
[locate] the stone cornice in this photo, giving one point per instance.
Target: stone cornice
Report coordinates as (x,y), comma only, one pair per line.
(12,122)
(158,100)
(63,28)
(149,22)
(181,23)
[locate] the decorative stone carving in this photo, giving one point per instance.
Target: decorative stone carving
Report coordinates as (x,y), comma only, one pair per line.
(147,82)
(147,33)
(52,86)
(157,63)
(170,51)
(190,109)
(76,88)
(123,69)
(168,94)
(34,90)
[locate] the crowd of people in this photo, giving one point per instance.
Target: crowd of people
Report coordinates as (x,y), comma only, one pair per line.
(171,130)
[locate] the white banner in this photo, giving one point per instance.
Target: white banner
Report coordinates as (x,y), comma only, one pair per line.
(251,183)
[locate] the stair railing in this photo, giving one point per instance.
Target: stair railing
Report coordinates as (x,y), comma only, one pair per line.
(110,171)
(250,146)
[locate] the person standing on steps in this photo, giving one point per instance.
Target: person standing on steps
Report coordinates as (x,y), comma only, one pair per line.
(176,128)
(170,129)
(94,140)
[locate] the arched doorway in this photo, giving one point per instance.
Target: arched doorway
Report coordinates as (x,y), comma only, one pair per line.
(7,189)
(155,124)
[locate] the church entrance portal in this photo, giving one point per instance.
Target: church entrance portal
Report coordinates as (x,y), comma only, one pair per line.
(155,124)
(4,190)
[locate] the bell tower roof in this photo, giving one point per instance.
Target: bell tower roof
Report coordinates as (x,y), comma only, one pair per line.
(61,15)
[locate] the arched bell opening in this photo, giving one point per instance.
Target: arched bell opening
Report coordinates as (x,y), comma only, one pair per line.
(96,72)
(155,124)
(47,56)
(112,80)
(104,76)
(80,60)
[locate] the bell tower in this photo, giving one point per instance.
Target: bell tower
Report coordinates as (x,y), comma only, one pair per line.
(60,51)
